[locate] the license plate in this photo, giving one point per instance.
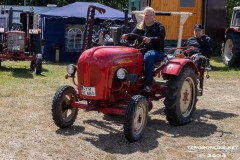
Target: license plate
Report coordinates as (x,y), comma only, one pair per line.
(88,91)
(16,48)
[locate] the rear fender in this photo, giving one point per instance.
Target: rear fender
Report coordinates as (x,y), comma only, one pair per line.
(175,66)
(232,29)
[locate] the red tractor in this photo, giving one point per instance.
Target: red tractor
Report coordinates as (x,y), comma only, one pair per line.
(231,47)
(110,80)
(21,41)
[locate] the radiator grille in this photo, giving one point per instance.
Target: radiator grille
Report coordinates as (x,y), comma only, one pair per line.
(15,42)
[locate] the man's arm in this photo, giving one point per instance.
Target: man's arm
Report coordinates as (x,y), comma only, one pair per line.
(190,43)
(160,36)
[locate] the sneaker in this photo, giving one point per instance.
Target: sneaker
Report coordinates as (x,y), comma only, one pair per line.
(147,88)
(209,68)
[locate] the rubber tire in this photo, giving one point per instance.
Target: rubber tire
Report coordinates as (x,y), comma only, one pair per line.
(173,96)
(233,58)
(38,65)
(128,127)
(58,105)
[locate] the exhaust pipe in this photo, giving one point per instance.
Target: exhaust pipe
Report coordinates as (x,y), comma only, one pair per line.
(10,19)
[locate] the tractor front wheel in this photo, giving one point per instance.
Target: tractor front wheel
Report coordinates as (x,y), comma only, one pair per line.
(38,65)
(63,113)
(181,97)
(135,120)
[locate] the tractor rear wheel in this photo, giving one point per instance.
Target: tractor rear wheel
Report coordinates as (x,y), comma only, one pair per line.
(63,114)
(38,65)
(231,49)
(135,119)
(181,97)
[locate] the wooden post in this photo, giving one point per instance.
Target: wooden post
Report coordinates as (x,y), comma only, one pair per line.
(57,55)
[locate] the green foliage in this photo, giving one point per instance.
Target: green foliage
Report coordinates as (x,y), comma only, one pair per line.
(221,71)
(12,2)
(230,5)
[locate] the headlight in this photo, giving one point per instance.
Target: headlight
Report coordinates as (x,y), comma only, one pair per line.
(71,69)
(122,73)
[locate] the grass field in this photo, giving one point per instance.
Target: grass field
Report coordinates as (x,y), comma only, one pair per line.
(28,132)
(16,75)
(220,70)
(53,74)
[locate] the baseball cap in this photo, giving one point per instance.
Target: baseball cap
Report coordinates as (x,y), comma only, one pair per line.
(198,26)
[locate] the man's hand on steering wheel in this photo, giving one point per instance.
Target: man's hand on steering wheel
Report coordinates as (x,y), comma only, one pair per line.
(146,40)
(124,36)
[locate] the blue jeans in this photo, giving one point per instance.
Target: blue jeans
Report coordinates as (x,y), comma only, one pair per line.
(151,57)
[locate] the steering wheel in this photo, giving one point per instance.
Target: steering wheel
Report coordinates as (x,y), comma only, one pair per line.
(108,23)
(187,51)
(137,42)
(16,28)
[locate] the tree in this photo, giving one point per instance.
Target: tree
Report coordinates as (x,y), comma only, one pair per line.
(230,5)
(12,2)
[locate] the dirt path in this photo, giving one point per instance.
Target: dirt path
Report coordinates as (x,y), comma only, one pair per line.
(28,132)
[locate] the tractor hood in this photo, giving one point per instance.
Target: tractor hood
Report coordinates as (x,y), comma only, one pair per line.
(97,66)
